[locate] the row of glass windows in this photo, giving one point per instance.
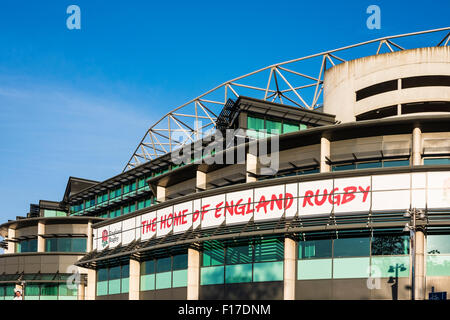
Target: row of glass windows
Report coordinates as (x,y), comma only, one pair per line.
(54,213)
(357,165)
(370,164)
(49,291)
(113,194)
(381,256)
(129,208)
(114,280)
(294,172)
(273,126)
(53,245)
(164,273)
(353,247)
(7,292)
(65,245)
(26,246)
(250,261)
(40,291)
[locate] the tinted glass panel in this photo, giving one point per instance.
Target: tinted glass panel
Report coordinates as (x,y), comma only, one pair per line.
(352,247)
(314,249)
(390,245)
(438,244)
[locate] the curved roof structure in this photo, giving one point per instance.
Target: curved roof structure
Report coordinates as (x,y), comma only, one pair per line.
(297,82)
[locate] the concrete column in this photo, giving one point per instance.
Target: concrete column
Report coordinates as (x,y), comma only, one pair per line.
(40,238)
(417,147)
(324,153)
(193,276)
(81,291)
(91,284)
(135,279)
(11,245)
(201,180)
(252,166)
(89,237)
(419,286)
(290,247)
(161,194)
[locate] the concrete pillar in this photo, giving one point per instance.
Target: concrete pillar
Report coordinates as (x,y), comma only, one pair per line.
(324,153)
(290,247)
(89,237)
(201,180)
(419,285)
(11,244)
(193,276)
(252,166)
(417,147)
(40,238)
(161,194)
(135,280)
(81,291)
(91,284)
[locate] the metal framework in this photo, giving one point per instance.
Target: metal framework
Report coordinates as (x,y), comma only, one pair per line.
(298,82)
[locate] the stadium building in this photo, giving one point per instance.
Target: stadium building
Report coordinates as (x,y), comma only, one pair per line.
(344,197)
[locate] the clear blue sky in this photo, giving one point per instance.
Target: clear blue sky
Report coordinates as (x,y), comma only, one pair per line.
(77,102)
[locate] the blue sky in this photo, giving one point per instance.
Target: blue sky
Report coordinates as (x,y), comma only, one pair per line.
(77,102)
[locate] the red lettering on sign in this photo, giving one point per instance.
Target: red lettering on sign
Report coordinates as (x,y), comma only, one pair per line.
(307,199)
(262,204)
(334,199)
(195,215)
(206,206)
(365,192)
(289,200)
(324,197)
(218,209)
(349,194)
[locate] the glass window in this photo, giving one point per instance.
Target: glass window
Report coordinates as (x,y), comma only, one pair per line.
(213,253)
(314,249)
(239,254)
(147,282)
(179,278)
(255,123)
(268,271)
(389,266)
(32,290)
(163,265)
(49,290)
(343,167)
(273,127)
(314,269)
(270,249)
(163,280)
(180,262)
(114,273)
(435,161)
(438,244)
(238,273)
(438,265)
(351,268)
(367,165)
(102,288)
(352,247)
(395,163)
(148,267)
(212,275)
(102,274)
(390,245)
(290,127)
